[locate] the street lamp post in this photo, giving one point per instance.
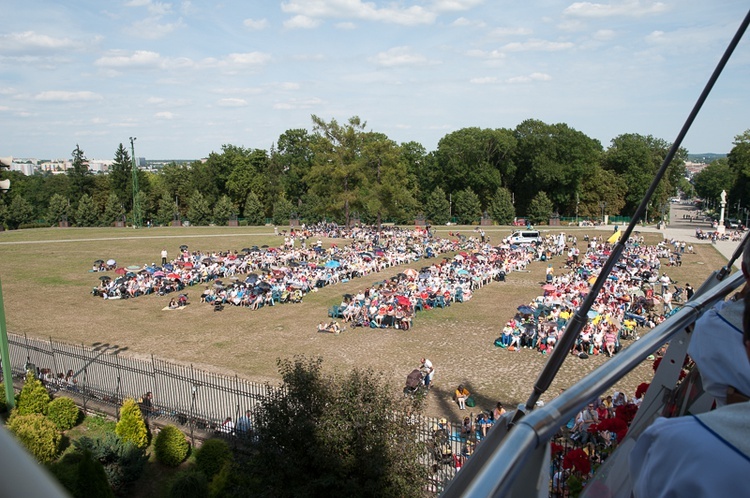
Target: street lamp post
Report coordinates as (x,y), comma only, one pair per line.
(603,206)
(4,350)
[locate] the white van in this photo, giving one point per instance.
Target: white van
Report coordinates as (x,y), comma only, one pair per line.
(521,237)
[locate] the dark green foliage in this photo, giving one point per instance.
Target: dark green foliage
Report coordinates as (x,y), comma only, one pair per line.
(123,461)
(223,210)
(37,434)
(199,210)
(87,214)
(467,207)
(282,210)
(64,413)
(33,398)
(211,457)
(189,483)
(82,474)
(131,426)
(438,208)
(501,208)
(170,446)
(540,208)
(334,435)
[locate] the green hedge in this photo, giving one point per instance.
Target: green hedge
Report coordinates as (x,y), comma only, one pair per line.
(64,413)
(38,434)
(170,446)
(211,457)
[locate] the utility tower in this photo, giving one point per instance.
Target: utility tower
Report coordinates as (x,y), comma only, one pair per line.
(137,216)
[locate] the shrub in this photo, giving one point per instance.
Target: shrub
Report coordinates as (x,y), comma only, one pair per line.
(64,413)
(211,457)
(123,461)
(170,446)
(82,474)
(33,398)
(131,426)
(189,484)
(37,434)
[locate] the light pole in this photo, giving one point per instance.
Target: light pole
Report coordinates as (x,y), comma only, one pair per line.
(4,351)
(603,205)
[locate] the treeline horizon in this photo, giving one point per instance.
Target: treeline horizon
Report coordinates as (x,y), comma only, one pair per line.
(341,172)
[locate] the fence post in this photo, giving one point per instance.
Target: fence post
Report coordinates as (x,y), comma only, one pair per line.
(54,357)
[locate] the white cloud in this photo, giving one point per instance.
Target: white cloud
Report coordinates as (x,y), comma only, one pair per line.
(507,31)
(232,102)
(164,115)
(627,8)
(152,29)
(454,5)
(255,24)
(139,58)
(314,10)
(288,85)
(604,34)
(294,104)
(537,46)
(529,78)
(400,56)
(302,22)
(64,96)
(484,54)
(462,22)
(346,25)
(30,42)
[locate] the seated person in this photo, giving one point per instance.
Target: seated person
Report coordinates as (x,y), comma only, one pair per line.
(173,304)
(461,395)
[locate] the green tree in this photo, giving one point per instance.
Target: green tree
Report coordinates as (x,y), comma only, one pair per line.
(199,210)
(59,209)
(294,153)
(555,159)
(79,175)
(131,426)
(350,430)
(63,412)
(437,208)
(113,210)
(475,158)
(223,210)
(468,208)
(167,210)
(19,212)
(501,207)
(87,215)
(254,212)
(540,208)
(717,176)
(282,211)
(336,174)
(121,177)
(636,159)
(248,174)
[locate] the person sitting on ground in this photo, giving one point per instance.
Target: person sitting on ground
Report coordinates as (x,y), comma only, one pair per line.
(172,304)
(461,395)
(467,428)
(498,412)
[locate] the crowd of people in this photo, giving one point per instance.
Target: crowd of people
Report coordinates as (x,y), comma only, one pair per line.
(636,293)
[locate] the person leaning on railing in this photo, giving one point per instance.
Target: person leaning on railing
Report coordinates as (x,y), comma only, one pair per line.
(698,455)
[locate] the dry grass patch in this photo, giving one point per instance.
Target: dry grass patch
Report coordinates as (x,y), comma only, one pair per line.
(46,285)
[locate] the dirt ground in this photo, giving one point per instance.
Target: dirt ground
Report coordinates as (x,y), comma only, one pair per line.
(47,291)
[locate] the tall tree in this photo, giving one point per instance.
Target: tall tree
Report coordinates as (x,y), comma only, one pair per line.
(336,175)
(717,176)
(223,210)
(254,212)
(636,159)
(293,157)
(79,174)
(437,209)
(501,207)
(113,210)
(739,162)
(540,208)
(199,210)
(59,209)
(554,159)
(121,177)
(468,207)
(475,158)
(87,215)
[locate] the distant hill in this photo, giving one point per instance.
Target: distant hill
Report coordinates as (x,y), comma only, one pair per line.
(705,158)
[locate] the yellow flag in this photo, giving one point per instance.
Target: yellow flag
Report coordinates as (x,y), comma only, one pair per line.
(614,237)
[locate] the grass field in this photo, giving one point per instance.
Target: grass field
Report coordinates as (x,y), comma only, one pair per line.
(47,292)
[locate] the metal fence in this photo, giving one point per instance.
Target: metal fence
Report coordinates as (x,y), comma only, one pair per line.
(196,399)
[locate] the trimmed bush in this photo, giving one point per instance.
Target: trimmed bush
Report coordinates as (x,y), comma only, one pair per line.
(170,446)
(123,462)
(37,434)
(82,474)
(189,484)
(211,457)
(131,426)
(64,413)
(33,398)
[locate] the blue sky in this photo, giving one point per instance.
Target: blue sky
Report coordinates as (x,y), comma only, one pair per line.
(187,77)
